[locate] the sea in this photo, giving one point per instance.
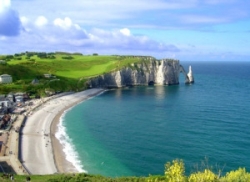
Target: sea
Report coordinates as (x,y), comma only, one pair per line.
(135,131)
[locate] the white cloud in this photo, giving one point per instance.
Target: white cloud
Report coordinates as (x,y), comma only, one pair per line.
(24,20)
(164,14)
(4,4)
(41,21)
(65,23)
(63,34)
(125,31)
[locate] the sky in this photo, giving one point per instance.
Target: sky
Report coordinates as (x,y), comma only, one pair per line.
(188,30)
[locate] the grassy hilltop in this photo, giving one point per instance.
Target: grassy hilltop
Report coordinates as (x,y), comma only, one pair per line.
(69,71)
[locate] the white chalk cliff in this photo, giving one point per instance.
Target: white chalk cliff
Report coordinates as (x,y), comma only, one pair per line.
(153,72)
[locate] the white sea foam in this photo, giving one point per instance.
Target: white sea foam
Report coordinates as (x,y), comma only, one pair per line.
(68,148)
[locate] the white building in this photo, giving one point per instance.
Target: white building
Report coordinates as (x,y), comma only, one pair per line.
(5,106)
(2,62)
(5,78)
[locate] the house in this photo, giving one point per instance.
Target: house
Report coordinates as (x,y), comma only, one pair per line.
(47,75)
(2,62)
(11,97)
(21,97)
(5,78)
(5,106)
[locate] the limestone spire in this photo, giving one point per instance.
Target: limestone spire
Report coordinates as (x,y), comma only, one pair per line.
(190,75)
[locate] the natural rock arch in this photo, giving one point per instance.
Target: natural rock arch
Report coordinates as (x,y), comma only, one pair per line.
(188,76)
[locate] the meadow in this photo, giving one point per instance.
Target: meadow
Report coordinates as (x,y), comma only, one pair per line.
(69,71)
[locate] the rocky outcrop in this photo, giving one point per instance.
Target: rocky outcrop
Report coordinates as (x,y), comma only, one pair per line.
(190,75)
(153,72)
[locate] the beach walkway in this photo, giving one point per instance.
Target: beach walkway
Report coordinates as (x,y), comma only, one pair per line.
(11,158)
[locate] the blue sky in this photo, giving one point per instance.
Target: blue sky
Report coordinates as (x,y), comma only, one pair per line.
(202,30)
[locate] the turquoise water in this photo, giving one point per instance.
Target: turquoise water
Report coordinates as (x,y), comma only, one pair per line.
(135,131)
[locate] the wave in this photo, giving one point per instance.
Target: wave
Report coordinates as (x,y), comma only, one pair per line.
(67,144)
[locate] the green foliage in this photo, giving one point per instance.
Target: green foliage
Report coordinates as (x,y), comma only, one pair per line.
(239,175)
(77,53)
(174,171)
(9,57)
(206,176)
(63,53)
(67,57)
(156,179)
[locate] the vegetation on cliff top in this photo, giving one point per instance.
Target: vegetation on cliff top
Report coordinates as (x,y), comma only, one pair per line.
(174,172)
(69,71)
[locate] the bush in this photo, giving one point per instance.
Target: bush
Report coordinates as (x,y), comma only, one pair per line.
(207,176)
(175,171)
(237,175)
(67,57)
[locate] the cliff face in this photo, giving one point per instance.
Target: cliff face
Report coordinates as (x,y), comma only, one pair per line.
(164,72)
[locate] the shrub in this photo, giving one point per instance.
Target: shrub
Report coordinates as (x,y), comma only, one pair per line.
(174,171)
(207,176)
(237,175)
(67,57)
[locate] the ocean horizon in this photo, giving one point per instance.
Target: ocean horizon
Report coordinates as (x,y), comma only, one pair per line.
(135,131)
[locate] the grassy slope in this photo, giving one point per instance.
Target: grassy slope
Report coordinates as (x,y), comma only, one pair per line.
(69,71)
(78,67)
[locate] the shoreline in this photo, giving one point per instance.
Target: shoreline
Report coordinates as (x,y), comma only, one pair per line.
(41,151)
(58,153)
(62,164)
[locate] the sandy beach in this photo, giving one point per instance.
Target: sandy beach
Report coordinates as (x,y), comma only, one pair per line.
(40,151)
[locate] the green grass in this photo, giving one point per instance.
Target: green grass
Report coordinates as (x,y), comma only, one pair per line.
(73,178)
(78,67)
(23,70)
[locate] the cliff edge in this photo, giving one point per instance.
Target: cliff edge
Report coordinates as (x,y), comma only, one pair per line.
(150,72)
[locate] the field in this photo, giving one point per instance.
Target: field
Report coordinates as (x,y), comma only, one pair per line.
(77,66)
(68,69)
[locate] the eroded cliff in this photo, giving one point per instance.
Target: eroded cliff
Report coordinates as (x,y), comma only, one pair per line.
(153,72)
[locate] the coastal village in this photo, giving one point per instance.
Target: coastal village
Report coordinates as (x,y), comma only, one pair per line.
(14,108)
(13,111)
(25,134)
